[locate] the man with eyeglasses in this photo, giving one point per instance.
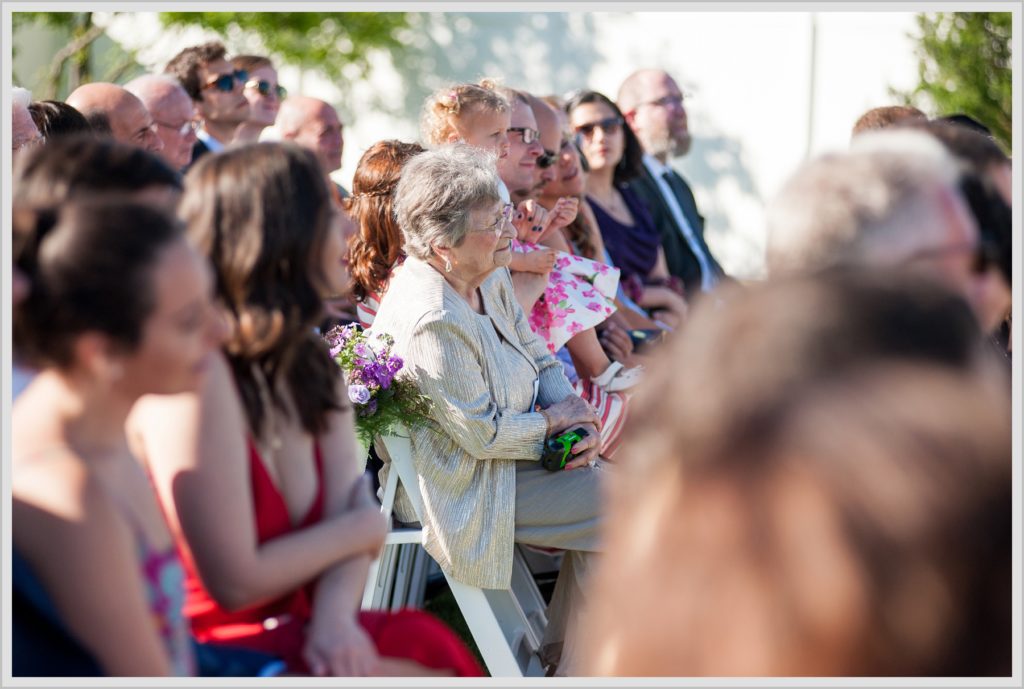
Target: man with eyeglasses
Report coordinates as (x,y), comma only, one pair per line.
(652,104)
(216,90)
(127,118)
(173,115)
(24,133)
(518,170)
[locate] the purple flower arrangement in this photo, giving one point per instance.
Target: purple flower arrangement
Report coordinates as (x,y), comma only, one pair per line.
(381,401)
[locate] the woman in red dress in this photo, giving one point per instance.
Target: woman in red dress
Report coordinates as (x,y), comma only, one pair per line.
(258,472)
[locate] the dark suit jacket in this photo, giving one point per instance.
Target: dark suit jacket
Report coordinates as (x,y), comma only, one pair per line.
(199,149)
(680,258)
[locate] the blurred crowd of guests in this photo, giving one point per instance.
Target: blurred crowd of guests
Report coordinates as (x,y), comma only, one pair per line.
(805,475)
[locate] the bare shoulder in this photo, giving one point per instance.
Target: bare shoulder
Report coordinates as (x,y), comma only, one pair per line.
(57,501)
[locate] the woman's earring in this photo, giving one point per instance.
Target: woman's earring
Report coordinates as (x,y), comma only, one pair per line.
(447,265)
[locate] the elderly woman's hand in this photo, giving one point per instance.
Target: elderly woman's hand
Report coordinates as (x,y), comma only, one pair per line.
(585,451)
(571,412)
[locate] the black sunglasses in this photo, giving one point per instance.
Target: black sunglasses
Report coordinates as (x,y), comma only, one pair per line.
(549,158)
(265,88)
(226,82)
(609,125)
(986,255)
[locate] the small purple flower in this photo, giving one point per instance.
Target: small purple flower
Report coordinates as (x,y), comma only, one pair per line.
(370,409)
(362,350)
(359,394)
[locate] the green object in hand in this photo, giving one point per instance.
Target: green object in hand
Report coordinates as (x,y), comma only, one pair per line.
(558,450)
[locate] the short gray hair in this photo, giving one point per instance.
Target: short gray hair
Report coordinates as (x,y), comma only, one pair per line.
(875,204)
(437,191)
(20,96)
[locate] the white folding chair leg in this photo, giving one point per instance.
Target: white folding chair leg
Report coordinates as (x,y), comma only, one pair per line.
(507,624)
(525,590)
(382,576)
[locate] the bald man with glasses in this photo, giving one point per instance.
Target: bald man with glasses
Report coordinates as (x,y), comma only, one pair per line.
(652,104)
(173,114)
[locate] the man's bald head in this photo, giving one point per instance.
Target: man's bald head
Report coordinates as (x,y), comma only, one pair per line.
(127,117)
(171,109)
(634,87)
(313,124)
(549,131)
(548,124)
(652,103)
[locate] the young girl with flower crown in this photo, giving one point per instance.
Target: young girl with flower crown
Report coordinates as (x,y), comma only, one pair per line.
(579,292)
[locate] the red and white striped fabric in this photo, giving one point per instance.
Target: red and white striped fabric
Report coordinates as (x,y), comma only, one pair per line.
(366,310)
(612,408)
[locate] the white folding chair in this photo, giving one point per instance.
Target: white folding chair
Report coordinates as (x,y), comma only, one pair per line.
(397,578)
(507,624)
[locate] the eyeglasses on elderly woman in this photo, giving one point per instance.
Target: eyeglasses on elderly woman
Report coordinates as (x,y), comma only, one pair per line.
(499,224)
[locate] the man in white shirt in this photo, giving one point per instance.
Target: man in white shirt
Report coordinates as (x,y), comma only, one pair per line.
(652,104)
(216,89)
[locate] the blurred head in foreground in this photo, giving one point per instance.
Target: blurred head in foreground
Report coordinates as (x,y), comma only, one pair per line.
(822,486)
(894,201)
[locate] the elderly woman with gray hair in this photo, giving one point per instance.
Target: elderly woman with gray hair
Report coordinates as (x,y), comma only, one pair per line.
(497,392)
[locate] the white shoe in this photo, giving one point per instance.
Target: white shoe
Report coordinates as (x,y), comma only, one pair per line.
(616,378)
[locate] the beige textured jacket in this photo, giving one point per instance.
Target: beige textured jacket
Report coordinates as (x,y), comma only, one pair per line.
(480,372)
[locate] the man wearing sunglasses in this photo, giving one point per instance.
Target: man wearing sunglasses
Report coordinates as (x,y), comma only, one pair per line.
(128,119)
(652,104)
(263,93)
(216,90)
(173,115)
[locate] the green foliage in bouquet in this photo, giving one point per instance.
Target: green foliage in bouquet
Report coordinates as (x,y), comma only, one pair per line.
(381,400)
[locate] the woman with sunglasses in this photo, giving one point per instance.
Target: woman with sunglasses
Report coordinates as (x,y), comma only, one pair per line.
(629,233)
(263,93)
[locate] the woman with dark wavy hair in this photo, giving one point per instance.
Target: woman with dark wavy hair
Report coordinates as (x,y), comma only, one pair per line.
(376,250)
(258,473)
